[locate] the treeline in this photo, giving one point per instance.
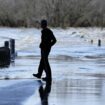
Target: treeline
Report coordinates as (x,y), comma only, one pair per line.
(59,13)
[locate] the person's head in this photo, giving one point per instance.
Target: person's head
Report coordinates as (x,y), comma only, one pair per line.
(43,23)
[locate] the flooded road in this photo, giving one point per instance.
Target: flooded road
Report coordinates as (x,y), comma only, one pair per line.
(78,68)
(73,83)
(83,91)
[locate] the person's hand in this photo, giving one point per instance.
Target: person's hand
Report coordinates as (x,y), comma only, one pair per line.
(40,46)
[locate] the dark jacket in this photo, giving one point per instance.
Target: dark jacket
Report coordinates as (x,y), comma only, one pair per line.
(47,39)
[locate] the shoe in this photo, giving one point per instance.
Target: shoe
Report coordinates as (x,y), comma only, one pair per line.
(36,75)
(46,79)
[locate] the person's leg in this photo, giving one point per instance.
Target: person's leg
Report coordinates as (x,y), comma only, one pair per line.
(47,65)
(40,68)
(47,68)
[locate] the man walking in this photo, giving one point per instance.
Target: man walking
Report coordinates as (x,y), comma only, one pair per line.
(47,41)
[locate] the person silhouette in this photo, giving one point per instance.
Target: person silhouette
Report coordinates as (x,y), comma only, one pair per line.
(47,41)
(44,93)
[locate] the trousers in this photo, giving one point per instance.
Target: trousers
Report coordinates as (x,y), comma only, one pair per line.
(44,64)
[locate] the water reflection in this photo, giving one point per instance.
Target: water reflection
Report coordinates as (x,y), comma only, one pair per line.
(78,91)
(44,93)
(79,86)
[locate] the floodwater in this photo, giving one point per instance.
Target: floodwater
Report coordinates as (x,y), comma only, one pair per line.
(78,68)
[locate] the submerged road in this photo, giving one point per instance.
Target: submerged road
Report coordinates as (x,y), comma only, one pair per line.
(75,90)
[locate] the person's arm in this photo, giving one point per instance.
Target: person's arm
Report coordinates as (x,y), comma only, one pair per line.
(53,39)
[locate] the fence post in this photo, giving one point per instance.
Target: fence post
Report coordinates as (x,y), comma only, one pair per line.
(6,44)
(99,42)
(91,41)
(12,48)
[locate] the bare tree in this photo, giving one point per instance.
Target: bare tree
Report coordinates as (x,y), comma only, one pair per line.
(59,13)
